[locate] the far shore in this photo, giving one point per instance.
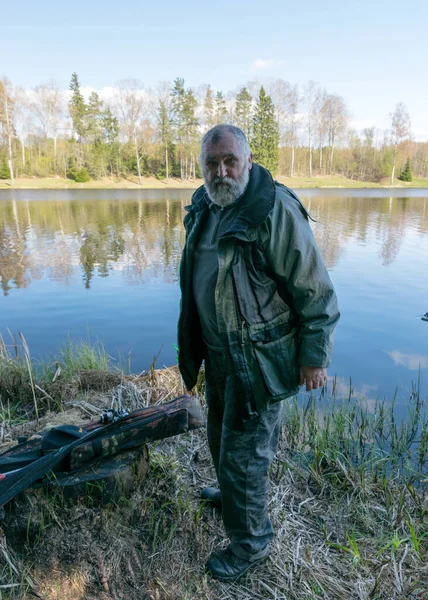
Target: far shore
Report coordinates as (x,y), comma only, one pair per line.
(58,183)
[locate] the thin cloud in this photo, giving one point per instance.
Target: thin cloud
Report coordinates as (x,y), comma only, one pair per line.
(412,362)
(261,64)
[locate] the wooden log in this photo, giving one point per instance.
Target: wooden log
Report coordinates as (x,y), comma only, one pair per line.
(107,479)
(67,449)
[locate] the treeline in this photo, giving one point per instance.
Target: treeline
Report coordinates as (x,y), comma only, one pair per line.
(46,132)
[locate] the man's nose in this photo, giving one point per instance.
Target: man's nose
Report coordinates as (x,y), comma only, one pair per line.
(221,170)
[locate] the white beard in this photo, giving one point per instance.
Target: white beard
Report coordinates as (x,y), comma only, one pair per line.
(226,191)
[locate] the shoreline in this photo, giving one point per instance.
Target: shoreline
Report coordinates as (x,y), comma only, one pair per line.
(348,514)
(151,183)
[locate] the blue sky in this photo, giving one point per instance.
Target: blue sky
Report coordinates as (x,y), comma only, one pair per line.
(373,53)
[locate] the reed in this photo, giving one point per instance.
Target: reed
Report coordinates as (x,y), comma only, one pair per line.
(348,501)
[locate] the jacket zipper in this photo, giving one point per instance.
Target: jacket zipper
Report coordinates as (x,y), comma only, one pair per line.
(239,312)
(242,333)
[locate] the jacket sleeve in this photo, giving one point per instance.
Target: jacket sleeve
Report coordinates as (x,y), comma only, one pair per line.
(296,262)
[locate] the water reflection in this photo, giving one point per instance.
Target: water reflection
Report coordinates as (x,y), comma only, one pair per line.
(143,239)
(108,262)
(382,219)
(414,362)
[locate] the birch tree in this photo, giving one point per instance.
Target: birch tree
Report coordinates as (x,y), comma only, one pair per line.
(6,120)
(335,115)
(191,131)
(400,131)
(130,105)
(164,133)
(293,121)
(48,107)
(311,98)
(322,126)
(22,119)
(286,98)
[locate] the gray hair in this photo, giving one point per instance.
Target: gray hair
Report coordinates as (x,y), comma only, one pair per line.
(216,134)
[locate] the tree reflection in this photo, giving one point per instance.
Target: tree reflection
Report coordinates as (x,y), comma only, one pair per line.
(142,239)
(99,249)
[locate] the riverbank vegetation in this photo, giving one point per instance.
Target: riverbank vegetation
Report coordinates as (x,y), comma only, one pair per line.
(129,133)
(348,497)
(175,183)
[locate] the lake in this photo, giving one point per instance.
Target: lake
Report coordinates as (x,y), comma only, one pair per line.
(105,263)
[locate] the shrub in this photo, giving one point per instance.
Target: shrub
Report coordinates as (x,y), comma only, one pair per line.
(406,173)
(79,175)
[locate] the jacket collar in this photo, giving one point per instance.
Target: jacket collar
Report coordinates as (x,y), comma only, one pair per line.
(254,206)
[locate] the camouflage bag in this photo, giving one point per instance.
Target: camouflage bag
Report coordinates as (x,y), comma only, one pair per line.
(61,452)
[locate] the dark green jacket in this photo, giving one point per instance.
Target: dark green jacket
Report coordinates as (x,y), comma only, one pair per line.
(276,306)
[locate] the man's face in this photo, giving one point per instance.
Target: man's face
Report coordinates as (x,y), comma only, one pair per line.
(226,170)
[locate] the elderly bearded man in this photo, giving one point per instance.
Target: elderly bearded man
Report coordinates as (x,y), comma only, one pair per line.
(259,307)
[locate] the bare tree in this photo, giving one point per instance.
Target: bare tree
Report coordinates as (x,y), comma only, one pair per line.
(22,119)
(286,98)
(400,131)
(293,102)
(321,126)
(311,103)
(336,118)
(279,90)
(130,107)
(164,120)
(6,119)
(48,107)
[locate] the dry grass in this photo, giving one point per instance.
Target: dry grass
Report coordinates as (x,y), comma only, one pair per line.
(320,181)
(343,531)
(131,182)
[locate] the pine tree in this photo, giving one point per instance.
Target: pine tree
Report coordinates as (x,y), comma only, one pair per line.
(164,132)
(178,94)
(191,131)
(4,170)
(265,133)
(94,118)
(209,109)
(77,108)
(406,173)
(243,111)
(220,109)
(110,125)
(184,106)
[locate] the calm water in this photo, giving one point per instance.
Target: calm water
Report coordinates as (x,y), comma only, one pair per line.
(106,262)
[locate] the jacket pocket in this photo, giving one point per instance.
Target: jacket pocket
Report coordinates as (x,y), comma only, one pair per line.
(277,359)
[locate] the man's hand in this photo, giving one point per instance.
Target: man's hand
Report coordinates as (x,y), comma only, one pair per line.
(314,377)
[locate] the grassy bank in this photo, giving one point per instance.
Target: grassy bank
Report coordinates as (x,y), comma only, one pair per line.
(153,183)
(348,498)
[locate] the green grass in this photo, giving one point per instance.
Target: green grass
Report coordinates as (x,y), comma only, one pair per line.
(33,386)
(338,438)
(337,181)
(58,183)
(348,501)
(333,181)
(80,355)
